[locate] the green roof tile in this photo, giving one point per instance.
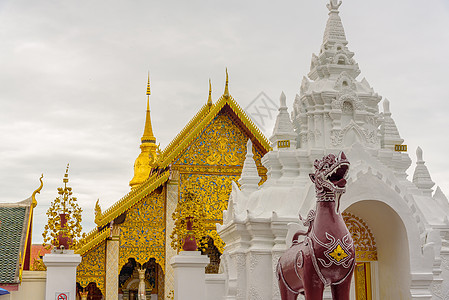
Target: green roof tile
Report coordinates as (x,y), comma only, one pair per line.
(11,230)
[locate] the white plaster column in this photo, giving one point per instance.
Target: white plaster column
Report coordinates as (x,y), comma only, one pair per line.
(61,273)
(443,289)
(319,129)
(259,261)
(172,201)
(240,279)
(112,258)
(190,277)
(279,230)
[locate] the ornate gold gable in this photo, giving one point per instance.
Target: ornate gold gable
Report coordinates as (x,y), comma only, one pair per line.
(209,165)
(203,119)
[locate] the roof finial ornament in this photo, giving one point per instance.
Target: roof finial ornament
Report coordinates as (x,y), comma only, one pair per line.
(283,100)
(333,5)
(209,100)
(419,155)
(226,91)
(98,213)
(38,191)
(386,105)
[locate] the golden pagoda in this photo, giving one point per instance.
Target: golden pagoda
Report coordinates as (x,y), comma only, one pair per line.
(147,157)
(134,233)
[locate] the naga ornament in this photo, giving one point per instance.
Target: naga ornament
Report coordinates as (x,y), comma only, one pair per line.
(326,256)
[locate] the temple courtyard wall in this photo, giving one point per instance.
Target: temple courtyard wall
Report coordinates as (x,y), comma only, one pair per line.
(32,287)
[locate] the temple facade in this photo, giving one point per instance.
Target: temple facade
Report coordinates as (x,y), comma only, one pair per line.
(399,226)
(133,235)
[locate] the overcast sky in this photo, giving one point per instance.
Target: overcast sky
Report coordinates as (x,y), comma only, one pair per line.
(73,79)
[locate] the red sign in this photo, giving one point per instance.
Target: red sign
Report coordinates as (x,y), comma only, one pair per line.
(62,296)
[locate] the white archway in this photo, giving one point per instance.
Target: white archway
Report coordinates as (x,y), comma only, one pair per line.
(393,267)
(384,203)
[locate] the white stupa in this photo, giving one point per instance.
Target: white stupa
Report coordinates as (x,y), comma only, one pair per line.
(403,231)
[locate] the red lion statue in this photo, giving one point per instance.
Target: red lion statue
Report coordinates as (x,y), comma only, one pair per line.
(326,256)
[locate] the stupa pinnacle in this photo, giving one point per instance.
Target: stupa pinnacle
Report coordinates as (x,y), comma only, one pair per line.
(334,32)
(148,136)
(147,157)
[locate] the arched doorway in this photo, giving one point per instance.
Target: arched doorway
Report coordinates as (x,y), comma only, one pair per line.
(129,280)
(365,271)
(378,227)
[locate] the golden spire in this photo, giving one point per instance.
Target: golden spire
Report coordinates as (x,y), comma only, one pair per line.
(226,91)
(148,148)
(209,100)
(148,136)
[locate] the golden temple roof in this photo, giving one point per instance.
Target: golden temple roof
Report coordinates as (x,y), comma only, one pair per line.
(175,148)
(202,119)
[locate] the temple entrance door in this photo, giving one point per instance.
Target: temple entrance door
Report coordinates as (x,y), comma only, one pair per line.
(362,279)
(365,270)
(149,275)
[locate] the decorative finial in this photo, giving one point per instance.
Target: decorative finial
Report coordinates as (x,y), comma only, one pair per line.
(148,85)
(98,214)
(249,148)
(209,100)
(226,91)
(333,5)
(419,155)
(386,105)
(38,191)
(66,175)
(283,100)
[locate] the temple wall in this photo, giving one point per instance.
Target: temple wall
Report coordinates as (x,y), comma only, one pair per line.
(32,287)
(92,267)
(142,234)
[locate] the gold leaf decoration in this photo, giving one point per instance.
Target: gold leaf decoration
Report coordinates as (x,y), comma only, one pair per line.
(142,235)
(92,267)
(364,243)
(65,203)
(189,206)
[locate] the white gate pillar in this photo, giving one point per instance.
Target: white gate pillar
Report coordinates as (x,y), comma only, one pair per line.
(190,277)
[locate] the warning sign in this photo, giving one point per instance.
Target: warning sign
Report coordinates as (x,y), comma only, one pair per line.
(62,296)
